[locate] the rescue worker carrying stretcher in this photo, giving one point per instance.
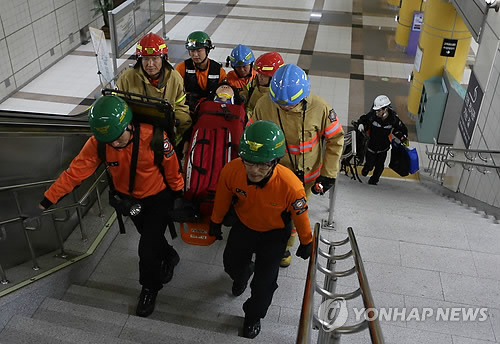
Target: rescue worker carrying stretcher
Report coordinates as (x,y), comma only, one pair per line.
(140,189)
(154,76)
(268,198)
(379,124)
(313,133)
(265,67)
(201,74)
(242,60)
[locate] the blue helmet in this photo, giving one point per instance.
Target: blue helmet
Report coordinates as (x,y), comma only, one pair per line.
(241,55)
(289,85)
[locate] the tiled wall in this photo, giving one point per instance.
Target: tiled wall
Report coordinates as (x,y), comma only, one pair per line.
(34,34)
(486,187)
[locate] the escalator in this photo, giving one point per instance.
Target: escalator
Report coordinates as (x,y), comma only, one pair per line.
(35,148)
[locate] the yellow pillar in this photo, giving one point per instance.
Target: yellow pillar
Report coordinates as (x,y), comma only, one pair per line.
(405,18)
(394,3)
(441,21)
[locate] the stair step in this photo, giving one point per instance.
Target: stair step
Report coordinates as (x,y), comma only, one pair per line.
(81,317)
(23,330)
(204,316)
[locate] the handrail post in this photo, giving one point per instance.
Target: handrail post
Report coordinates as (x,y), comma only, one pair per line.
(330,282)
(80,218)
(3,277)
(304,332)
(329,224)
(63,253)
(35,267)
(98,195)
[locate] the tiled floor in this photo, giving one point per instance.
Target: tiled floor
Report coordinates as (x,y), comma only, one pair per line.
(347,47)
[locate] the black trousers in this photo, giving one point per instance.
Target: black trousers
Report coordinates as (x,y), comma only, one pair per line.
(153,246)
(376,160)
(268,247)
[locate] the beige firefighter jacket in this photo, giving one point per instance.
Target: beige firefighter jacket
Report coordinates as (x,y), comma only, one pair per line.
(170,88)
(256,93)
(321,128)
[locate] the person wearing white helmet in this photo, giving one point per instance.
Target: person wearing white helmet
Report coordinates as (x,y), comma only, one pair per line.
(380,123)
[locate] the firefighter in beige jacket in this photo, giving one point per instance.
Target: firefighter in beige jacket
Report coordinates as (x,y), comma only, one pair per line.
(154,76)
(313,133)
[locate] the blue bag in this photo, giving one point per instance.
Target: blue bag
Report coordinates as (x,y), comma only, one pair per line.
(412,153)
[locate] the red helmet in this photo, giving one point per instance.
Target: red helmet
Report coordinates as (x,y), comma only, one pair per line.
(269,63)
(151,45)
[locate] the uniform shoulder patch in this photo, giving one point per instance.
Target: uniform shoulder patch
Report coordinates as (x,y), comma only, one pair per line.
(332,115)
(241,192)
(168,149)
(299,204)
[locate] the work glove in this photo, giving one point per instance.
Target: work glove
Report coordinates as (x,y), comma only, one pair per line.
(361,128)
(32,216)
(322,185)
(33,212)
(305,251)
(215,230)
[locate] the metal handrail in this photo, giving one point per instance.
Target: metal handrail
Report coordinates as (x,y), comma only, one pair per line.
(373,326)
(327,292)
(52,210)
(452,162)
(78,204)
(304,333)
(474,150)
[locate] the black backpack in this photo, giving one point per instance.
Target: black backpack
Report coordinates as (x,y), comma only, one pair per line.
(154,111)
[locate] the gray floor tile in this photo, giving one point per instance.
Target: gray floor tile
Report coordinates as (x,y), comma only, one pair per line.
(487,265)
(437,259)
(484,239)
(399,335)
(471,290)
(478,329)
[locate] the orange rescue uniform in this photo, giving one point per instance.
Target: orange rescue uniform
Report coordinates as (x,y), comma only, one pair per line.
(201,75)
(148,180)
(240,83)
(260,208)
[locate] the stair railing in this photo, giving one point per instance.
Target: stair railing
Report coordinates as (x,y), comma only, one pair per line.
(442,157)
(329,330)
(78,204)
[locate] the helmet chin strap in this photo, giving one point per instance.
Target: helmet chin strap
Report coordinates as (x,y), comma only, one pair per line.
(198,65)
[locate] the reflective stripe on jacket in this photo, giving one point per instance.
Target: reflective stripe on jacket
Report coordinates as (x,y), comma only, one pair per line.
(148,180)
(320,123)
(260,208)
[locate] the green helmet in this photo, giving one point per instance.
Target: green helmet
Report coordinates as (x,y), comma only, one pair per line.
(198,40)
(262,141)
(109,116)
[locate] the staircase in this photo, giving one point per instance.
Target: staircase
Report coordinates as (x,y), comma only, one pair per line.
(419,250)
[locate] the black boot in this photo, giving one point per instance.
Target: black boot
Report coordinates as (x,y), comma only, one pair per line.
(146,304)
(251,328)
(240,287)
(168,265)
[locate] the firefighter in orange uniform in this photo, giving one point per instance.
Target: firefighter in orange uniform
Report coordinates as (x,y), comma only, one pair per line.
(242,60)
(313,133)
(201,74)
(269,197)
(146,198)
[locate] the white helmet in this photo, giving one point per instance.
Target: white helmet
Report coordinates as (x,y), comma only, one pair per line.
(381,102)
